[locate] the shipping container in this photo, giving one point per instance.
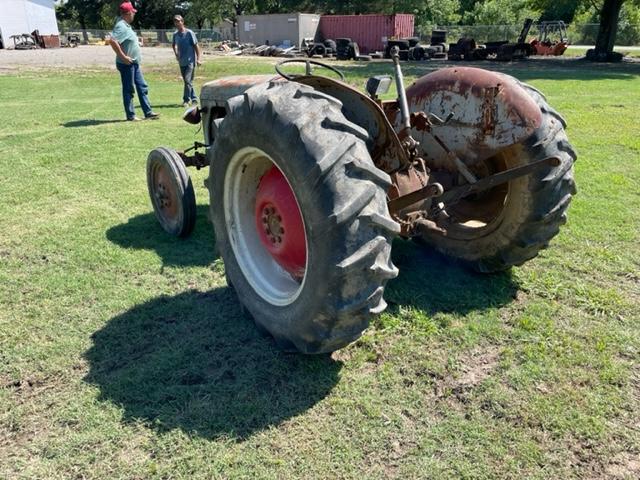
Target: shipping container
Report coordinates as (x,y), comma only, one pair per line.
(370,32)
(277,29)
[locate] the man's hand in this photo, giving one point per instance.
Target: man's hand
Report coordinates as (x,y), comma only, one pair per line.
(118,49)
(198,62)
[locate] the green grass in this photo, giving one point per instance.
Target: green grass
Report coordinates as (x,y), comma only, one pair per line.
(123,353)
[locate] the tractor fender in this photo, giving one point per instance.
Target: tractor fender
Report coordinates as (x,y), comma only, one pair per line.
(384,145)
(215,94)
(489,112)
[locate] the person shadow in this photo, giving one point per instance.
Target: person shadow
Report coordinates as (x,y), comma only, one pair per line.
(196,362)
(90,122)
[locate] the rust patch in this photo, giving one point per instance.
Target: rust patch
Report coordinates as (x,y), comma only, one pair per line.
(420,121)
(469,81)
(489,110)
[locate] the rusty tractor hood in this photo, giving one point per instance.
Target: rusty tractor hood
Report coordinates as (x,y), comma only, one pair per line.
(217,92)
(490,111)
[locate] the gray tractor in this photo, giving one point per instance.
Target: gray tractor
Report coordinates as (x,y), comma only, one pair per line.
(310,180)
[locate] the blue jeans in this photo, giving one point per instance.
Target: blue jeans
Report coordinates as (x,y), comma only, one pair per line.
(188,94)
(131,76)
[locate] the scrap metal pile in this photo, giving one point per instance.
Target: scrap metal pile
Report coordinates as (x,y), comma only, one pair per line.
(412,49)
(343,49)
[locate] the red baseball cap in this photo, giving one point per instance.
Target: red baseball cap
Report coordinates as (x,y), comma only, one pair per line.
(126,7)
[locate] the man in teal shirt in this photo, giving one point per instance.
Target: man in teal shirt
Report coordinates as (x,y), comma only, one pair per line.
(124,42)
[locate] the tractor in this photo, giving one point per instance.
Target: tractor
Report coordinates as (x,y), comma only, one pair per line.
(552,38)
(310,180)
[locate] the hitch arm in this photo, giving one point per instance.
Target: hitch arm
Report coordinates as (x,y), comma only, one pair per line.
(198,159)
(455,194)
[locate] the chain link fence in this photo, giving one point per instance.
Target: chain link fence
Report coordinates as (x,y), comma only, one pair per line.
(585,34)
(150,38)
(579,34)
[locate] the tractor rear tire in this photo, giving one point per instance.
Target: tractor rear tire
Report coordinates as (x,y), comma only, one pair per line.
(302,136)
(533,209)
(171,192)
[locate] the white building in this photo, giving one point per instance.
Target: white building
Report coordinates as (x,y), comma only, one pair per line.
(25,16)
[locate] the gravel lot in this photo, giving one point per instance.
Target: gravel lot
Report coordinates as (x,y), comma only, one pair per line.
(83,55)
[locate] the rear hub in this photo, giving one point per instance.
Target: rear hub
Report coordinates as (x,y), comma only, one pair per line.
(265,227)
(279,222)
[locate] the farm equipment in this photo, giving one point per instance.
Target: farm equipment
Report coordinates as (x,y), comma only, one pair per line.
(552,38)
(466,48)
(24,41)
(346,49)
(310,180)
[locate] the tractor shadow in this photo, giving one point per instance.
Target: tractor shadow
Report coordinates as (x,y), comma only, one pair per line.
(143,232)
(194,362)
(434,283)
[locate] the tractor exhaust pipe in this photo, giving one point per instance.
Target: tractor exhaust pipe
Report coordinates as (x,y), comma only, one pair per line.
(402,96)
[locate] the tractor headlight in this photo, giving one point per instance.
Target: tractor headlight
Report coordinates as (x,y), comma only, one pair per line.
(192,115)
(378,85)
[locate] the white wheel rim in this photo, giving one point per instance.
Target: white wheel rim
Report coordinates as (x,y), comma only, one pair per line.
(268,279)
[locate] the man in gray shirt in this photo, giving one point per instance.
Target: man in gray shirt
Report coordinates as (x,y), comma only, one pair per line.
(187,50)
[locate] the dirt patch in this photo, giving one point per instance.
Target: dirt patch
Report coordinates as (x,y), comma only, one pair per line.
(624,465)
(475,367)
(478,366)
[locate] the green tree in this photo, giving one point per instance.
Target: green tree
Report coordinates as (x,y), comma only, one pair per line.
(87,13)
(556,9)
(500,12)
(202,11)
(156,13)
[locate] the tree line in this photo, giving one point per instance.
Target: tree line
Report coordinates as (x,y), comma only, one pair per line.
(206,13)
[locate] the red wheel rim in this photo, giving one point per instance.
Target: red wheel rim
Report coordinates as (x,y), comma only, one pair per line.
(279,223)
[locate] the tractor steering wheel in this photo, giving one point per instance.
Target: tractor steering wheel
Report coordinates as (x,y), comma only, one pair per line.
(309,69)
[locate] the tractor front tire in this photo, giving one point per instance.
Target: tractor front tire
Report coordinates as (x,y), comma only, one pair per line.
(171,192)
(300,216)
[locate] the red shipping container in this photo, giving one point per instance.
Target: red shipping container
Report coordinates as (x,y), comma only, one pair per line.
(370,32)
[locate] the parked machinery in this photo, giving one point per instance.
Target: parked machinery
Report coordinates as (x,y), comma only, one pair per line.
(552,38)
(346,49)
(467,49)
(409,49)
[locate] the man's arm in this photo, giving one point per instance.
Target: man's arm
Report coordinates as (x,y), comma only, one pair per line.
(174,45)
(196,46)
(198,54)
(118,49)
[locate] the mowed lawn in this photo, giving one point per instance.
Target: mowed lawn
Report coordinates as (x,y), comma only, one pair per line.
(123,353)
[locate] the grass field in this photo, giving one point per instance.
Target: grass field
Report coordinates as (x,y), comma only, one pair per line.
(123,353)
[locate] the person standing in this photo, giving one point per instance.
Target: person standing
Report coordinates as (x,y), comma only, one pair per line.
(187,50)
(124,41)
